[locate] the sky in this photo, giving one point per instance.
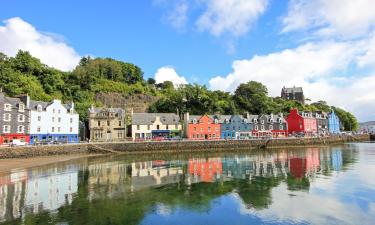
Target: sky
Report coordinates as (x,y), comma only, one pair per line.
(327,47)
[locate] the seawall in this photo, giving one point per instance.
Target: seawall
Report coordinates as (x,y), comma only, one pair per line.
(175,146)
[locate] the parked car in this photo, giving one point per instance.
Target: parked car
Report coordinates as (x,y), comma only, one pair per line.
(17,142)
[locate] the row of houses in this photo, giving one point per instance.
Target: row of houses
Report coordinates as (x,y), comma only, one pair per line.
(35,121)
(110,124)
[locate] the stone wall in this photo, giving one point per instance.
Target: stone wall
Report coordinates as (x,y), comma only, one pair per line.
(42,150)
(175,146)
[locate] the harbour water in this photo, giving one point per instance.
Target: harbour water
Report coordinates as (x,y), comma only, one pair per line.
(316,185)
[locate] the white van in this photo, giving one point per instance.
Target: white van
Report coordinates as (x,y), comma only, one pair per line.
(17,142)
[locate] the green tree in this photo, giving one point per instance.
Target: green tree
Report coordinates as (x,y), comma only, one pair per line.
(252,97)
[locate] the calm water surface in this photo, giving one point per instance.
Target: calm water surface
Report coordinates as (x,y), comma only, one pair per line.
(332,185)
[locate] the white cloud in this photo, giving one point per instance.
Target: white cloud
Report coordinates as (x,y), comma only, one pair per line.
(178,16)
(313,66)
(17,34)
(168,73)
(346,18)
(230,16)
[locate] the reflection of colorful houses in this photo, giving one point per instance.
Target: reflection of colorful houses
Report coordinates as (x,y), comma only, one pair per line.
(208,170)
(336,159)
(301,166)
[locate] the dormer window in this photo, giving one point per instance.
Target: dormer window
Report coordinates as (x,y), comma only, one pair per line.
(245,121)
(194,121)
(271,120)
(255,120)
(39,108)
(7,107)
(21,107)
(262,121)
(216,121)
(226,121)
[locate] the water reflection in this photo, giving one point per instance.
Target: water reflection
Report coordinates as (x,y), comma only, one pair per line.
(126,190)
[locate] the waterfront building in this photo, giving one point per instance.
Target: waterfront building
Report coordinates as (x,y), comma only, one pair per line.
(321,122)
(106,124)
(334,123)
(235,127)
(269,125)
(294,93)
(201,127)
(155,126)
(14,118)
(301,123)
(53,122)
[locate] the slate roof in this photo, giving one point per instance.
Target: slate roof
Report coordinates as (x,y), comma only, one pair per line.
(118,111)
(34,105)
(292,90)
(149,118)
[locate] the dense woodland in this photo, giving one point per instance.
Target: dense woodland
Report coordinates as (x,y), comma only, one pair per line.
(26,74)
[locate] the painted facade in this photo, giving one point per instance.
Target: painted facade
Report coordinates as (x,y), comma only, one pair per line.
(14,119)
(155,126)
(107,124)
(301,123)
(201,127)
(321,122)
(235,127)
(333,123)
(53,122)
(269,125)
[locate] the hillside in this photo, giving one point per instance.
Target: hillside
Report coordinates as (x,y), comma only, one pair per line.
(112,83)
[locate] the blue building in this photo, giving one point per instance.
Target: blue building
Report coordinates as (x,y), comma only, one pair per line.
(235,127)
(333,123)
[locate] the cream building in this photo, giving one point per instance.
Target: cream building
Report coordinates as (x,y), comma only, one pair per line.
(155,125)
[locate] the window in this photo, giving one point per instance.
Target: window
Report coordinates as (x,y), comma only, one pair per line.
(98,123)
(59,129)
(108,123)
(271,127)
(6,129)
(255,120)
(7,117)
(201,129)
(195,129)
(39,108)
(281,127)
(20,129)
(157,127)
(262,127)
(21,107)
(256,127)
(262,121)
(71,120)
(53,110)
(59,111)
(209,129)
(194,121)
(21,118)
(39,118)
(38,129)
(71,129)
(53,119)
(216,121)
(53,129)
(7,107)
(148,127)
(119,123)
(167,127)
(245,121)
(138,127)
(59,119)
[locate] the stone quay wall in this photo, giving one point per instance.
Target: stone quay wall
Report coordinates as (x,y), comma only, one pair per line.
(173,146)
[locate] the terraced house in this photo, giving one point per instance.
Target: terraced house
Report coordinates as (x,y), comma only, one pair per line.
(53,122)
(14,118)
(235,127)
(107,124)
(155,126)
(269,125)
(201,127)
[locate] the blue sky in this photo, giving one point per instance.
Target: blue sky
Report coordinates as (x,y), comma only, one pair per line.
(326,47)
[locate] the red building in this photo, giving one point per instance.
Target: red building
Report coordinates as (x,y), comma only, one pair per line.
(302,122)
(201,127)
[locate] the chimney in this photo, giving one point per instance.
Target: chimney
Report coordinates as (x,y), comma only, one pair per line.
(247,115)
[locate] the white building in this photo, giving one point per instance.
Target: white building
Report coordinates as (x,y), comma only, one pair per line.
(368,127)
(53,121)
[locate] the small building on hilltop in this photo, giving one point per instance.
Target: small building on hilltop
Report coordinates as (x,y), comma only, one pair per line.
(293,93)
(53,122)
(107,124)
(155,126)
(201,127)
(14,118)
(334,123)
(301,123)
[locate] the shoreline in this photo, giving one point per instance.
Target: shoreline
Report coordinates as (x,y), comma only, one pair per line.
(170,146)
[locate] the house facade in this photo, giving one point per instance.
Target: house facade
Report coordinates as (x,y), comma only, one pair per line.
(294,93)
(201,127)
(235,127)
(53,121)
(321,122)
(14,119)
(155,126)
(302,122)
(333,123)
(269,125)
(106,124)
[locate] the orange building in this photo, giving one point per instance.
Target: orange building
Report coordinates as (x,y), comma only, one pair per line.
(201,127)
